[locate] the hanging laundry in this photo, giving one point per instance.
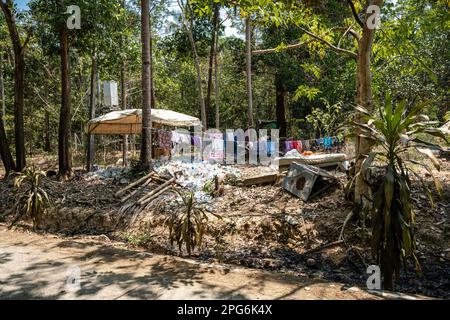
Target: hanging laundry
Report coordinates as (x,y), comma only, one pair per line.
(262,145)
(175,137)
(185,138)
(307,145)
(288,146)
(297,145)
(230,136)
(165,139)
(327,143)
(217,146)
(271,148)
(197,141)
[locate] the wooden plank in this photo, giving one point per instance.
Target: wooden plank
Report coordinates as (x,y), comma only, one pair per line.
(285,166)
(258,180)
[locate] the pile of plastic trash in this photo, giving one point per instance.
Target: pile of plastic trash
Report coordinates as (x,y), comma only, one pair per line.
(107,173)
(194,176)
(293,154)
(191,176)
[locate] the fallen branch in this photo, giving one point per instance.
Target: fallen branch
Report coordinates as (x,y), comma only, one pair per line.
(159,179)
(347,219)
(131,185)
(146,183)
(154,196)
(325,246)
(154,192)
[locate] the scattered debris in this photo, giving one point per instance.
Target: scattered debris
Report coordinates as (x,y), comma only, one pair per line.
(330,160)
(108,173)
(293,154)
(262,179)
(262,226)
(445,154)
(193,176)
(306,181)
(145,179)
(311,262)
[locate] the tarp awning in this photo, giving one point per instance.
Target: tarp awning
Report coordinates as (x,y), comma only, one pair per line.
(130,121)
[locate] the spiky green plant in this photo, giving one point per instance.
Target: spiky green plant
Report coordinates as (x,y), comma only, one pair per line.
(394,131)
(188,225)
(32,200)
(447,116)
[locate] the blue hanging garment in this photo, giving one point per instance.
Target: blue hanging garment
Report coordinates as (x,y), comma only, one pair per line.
(327,143)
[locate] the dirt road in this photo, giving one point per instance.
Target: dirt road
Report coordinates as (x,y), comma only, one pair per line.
(36,266)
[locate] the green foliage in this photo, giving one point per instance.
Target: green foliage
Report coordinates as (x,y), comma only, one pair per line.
(139,240)
(447,116)
(394,130)
(306,92)
(189,225)
(209,186)
(312,68)
(410,60)
(32,200)
(325,119)
(411,57)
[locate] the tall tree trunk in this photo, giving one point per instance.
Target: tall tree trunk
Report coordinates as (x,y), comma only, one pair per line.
(19,75)
(146,146)
(123,102)
(48,144)
(185,9)
(64,134)
(2,90)
(281,105)
(364,98)
(200,88)
(248,54)
(217,88)
(99,90)
(92,107)
(47,130)
(5,151)
(123,96)
(152,73)
(212,58)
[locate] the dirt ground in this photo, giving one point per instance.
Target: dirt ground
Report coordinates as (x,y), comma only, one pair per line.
(263,227)
(38,266)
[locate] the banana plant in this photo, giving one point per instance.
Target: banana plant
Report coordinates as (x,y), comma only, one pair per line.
(394,131)
(32,200)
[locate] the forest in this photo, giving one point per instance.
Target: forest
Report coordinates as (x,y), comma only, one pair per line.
(357,92)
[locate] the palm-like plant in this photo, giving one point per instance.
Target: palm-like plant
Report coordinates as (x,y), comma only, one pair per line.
(189,225)
(32,200)
(394,131)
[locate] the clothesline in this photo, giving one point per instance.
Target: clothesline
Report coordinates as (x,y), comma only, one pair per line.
(326,143)
(168,140)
